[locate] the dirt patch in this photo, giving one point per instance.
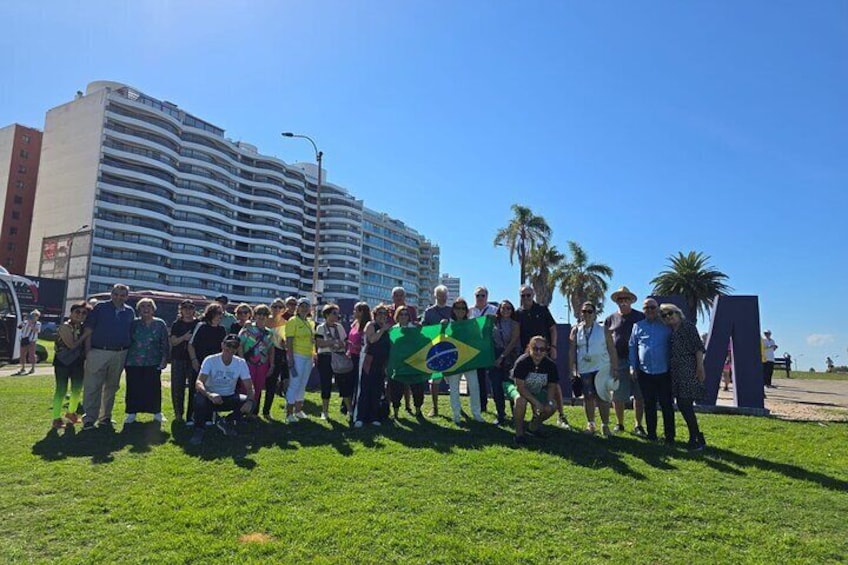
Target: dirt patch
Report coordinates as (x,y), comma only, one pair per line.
(803,400)
(256,537)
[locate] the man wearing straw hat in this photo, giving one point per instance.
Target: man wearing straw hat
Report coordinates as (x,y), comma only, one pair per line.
(620,324)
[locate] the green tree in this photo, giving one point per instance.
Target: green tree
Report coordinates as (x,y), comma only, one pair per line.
(692,277)
(524,231)
(581,281)
(543,265)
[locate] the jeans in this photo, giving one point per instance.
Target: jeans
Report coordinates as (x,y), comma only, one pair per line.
(657,388)
(182,377)
(473,394)
(685,405)
(203,408)
(497,375)
(768,372)
(74,373)
(300,371)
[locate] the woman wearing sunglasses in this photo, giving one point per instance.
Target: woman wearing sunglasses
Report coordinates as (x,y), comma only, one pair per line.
(459,313)
(592,352)
(536,379)
(686,365)
(396,389)
(372,382)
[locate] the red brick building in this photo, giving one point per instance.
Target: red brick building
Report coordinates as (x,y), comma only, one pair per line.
(20,151)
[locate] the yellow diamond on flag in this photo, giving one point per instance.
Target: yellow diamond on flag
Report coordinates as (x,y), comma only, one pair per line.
(442,355)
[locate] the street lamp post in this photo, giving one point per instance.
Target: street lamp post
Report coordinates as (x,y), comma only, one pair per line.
(319,157)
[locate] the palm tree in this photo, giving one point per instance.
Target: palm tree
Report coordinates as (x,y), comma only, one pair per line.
(543,264)
(581,281)
(693,278)
(521,236)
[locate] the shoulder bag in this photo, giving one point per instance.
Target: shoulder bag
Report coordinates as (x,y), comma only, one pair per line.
(340,362)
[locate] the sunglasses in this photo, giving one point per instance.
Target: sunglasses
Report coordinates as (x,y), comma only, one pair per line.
(587,311)
(540,349)
(460,308)
(231,345)
(668,314)
(650,307)
(526,296)
(277,306)
(480,295)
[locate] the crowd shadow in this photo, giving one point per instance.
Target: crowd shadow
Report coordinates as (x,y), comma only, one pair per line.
(101,443)
(434,434)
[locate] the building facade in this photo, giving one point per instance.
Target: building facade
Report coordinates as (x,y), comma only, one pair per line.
(393,254)
(174,205)
(20,151)
(453,284)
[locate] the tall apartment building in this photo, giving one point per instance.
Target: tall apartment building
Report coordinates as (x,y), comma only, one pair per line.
(174,205)
(393,254)
(453,284)
(20,150)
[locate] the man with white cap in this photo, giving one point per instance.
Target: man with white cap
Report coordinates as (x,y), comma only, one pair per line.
(620,324)
(769,347)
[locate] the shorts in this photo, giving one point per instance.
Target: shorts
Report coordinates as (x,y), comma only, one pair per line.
(589,384)
(627,386)
(511,392)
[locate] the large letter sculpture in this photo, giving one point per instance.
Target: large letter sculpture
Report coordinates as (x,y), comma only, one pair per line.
(736,318)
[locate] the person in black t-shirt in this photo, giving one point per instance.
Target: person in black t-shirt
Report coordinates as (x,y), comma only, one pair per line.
(536,381)
(183,376)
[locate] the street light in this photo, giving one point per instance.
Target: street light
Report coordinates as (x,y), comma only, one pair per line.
(319,157)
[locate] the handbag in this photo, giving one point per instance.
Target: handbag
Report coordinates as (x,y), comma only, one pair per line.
(341,363)
(68,357)
(25,341)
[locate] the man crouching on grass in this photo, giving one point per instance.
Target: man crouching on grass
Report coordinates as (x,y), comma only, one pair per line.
(216,389)
(536,379)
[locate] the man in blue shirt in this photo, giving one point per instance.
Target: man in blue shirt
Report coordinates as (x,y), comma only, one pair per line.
(107,333)
(649,356)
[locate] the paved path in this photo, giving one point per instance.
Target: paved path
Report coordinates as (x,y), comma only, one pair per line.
(803,399)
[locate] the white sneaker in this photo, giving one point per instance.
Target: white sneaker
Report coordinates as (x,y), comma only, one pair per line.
(302,415)
(129,419)
(291,419)
(189,423)
(357,424)
(159,417)
(563,424)
(376,423)
(325,416)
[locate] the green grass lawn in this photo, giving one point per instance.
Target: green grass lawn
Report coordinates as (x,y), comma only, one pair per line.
(817,375)
(430,492)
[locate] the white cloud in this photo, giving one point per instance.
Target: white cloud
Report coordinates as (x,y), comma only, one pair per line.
(817,340)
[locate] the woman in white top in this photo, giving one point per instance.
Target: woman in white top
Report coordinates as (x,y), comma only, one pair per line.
(330,338)
(592,351)
(29,336)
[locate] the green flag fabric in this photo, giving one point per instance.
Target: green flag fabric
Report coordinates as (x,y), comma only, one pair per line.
(433,352)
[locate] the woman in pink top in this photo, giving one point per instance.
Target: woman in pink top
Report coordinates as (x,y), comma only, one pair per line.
(355,341)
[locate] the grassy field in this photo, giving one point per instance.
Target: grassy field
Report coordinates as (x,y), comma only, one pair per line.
(421,492)
(817,375)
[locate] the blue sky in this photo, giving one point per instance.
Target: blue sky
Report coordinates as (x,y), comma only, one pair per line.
(637,129)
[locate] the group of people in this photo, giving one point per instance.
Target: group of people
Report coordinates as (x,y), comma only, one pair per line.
(224,362)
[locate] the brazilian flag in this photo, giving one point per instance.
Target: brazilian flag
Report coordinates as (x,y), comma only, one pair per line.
(436,351)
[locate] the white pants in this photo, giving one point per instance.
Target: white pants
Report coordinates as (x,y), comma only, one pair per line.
(297,384)
(473,394)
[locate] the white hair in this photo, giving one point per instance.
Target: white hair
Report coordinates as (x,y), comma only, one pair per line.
(440,288)
(399,289)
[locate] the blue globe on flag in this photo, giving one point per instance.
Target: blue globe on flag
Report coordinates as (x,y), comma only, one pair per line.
(442,357)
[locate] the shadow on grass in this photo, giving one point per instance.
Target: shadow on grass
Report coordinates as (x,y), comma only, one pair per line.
(99,444)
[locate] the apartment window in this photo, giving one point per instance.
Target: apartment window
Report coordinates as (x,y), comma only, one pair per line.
(24,154)
(16,215)
(26,138)
(19,200)
(10,261)
(13,231)
(22,169)
(10,247)
(19,185)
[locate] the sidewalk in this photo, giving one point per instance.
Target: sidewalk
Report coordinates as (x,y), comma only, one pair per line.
(803,399)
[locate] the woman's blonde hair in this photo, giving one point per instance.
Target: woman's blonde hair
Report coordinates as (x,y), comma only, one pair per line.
(668,307)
